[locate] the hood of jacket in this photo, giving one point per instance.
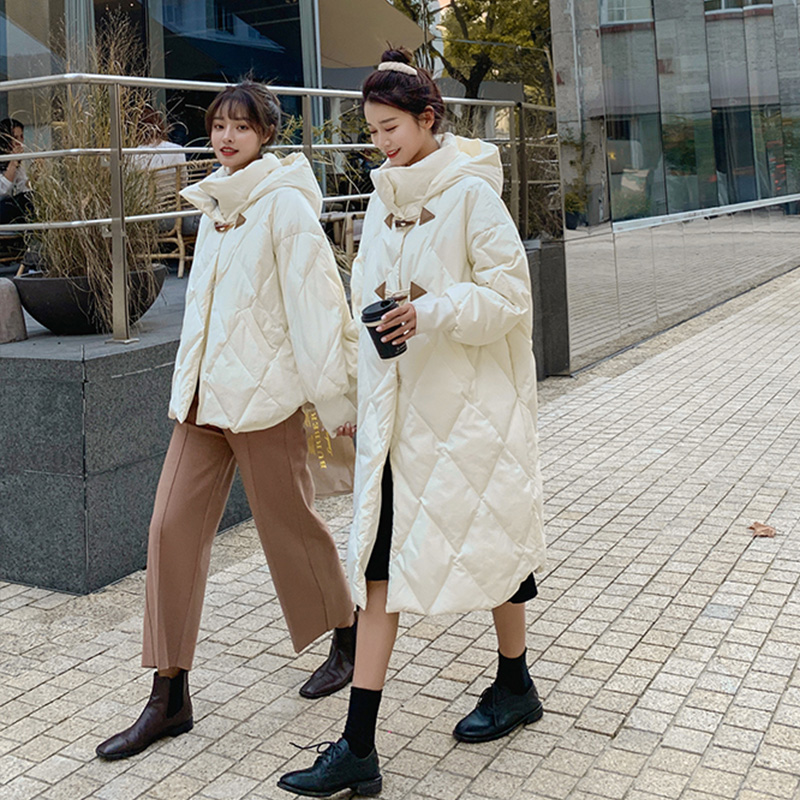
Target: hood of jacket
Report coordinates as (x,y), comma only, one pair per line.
(404,190)
(223,196)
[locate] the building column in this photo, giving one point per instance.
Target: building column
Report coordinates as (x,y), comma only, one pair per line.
(79,24)
(309,37)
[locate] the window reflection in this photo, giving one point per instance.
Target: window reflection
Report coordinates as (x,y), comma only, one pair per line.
(702,103)
(633,140)
(213,40)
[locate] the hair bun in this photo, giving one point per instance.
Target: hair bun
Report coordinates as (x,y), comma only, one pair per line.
(398,54)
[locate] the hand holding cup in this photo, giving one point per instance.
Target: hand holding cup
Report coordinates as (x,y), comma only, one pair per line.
(401,322)
(389,325)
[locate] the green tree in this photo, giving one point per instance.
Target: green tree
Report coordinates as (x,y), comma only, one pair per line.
(490,40)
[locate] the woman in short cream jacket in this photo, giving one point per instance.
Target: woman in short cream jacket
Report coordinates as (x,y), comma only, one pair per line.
(266,329)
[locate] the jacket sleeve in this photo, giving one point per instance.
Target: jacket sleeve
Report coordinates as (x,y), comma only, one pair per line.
(6,187)
(356,285)
(321,330)
(483,310)
(357,301)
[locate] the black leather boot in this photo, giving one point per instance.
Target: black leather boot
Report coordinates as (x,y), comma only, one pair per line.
(499,711)
(168,713)
(337,768)
(337,669)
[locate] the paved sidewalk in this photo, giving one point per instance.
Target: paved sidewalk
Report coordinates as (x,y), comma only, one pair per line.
(664,641)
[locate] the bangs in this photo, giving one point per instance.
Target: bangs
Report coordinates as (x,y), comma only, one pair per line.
(247,102)
(238,108)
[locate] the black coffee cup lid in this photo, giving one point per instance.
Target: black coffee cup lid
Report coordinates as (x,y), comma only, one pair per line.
(375,311)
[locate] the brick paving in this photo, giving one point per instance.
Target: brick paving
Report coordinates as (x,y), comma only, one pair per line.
(664,641)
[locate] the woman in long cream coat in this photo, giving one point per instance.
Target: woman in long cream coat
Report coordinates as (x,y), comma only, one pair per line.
(455,414)
(448,493)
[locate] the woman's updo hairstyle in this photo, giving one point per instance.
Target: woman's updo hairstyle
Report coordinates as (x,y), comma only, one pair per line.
(251,101)
(398,83)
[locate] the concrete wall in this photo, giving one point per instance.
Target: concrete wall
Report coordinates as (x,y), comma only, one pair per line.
(83,434)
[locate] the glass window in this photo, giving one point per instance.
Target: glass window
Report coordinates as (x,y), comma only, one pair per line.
(723,5)
(213,40)
(26,31)
(733,151)
(616,11)
(733,5)
(685,107)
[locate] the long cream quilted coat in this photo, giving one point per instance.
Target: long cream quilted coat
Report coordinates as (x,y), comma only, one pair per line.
(266,325)
(457,410)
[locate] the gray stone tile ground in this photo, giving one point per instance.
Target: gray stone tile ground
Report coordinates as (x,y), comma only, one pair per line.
(665,638)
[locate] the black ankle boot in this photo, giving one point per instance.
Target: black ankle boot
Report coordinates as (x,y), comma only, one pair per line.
(337,669)
(336,769)
(168,713)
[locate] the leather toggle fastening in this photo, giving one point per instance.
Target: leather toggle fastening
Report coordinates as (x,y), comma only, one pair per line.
(413,294)
(221,227)
(424,216)
(416,291)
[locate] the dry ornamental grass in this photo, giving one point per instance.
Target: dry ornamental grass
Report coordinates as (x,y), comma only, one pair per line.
(79,187)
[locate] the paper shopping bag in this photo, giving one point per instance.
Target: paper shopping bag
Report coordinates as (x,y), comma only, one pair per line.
(331,460)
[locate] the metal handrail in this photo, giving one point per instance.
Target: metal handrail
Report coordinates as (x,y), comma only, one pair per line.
(191,212)
(71,78)
(115,154)
(31,155)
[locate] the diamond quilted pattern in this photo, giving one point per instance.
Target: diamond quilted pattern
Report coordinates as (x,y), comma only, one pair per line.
(266,322)
(456,416)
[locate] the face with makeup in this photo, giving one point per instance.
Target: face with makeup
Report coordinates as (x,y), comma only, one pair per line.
(403,137)
(236,141)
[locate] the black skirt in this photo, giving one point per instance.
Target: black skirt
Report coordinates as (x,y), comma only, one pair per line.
(378,566)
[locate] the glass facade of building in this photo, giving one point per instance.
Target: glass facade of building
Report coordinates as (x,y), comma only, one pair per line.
(702,103)
(679,124)
(192,39)
(182,39)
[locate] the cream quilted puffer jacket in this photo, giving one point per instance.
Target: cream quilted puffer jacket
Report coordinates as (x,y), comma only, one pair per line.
(456,413)
(266,326)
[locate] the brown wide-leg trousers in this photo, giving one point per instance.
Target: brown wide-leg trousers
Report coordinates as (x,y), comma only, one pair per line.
(192,493)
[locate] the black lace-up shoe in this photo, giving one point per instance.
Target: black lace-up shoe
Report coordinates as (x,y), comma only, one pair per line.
(499,711)
(334,770)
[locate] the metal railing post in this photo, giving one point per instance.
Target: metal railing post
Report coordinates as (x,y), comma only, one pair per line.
(308,127)
(524,200)
(119,272)
(512,133)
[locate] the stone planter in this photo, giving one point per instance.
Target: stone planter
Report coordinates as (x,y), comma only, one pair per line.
(65,306)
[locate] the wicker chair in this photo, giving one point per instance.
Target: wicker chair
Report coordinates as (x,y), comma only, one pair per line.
(12,249)
(168,182)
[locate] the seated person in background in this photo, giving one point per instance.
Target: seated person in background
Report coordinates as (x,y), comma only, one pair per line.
(15,199)
(154,133)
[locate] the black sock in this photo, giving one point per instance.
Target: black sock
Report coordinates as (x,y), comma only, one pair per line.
(362,719)
(513,673)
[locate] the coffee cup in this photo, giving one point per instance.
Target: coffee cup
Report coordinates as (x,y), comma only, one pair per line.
(371,316)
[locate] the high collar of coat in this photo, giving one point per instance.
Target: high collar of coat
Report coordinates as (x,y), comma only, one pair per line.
(224,196)
(404,190)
